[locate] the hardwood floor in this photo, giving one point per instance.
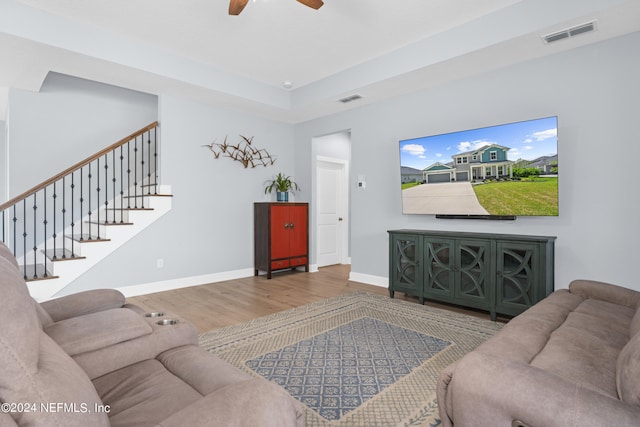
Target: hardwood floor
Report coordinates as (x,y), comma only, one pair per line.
(221,304)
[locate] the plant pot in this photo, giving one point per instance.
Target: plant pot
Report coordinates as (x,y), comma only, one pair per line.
(282,196)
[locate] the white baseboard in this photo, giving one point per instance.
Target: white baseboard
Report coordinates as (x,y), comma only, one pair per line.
(185,282)
(369,279)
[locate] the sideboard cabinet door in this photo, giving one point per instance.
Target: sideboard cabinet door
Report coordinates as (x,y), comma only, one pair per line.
(473,266)
(405,269)
(519,273)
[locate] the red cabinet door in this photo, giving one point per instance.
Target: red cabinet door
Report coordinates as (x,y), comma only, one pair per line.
(280,247)
(297,230)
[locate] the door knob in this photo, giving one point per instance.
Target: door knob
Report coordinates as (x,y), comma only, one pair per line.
(340,219)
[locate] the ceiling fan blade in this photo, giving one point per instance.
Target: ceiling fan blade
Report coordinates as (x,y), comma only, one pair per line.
(236,6)
(314,4)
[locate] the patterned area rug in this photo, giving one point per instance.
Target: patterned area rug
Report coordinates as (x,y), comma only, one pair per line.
(354,360)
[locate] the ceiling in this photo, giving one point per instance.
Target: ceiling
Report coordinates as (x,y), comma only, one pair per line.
(375,48)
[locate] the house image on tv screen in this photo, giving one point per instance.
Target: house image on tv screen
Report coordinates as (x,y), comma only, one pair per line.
(489,161)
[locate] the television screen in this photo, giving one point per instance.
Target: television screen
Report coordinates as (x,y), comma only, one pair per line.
(506,170)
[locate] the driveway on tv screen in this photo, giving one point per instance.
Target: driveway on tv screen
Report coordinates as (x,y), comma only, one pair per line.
(447,198)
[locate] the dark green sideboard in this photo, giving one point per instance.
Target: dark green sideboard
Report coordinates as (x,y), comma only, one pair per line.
(500,273)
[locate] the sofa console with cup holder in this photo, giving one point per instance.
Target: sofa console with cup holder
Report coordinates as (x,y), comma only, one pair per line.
(91,359)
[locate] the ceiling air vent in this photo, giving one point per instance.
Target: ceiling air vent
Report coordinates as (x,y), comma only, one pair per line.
(570,32)
(350,98)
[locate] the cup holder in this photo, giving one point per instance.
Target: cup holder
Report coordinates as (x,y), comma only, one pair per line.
(154,314)
(165,322)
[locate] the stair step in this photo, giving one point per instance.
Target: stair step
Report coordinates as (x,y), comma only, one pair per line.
(86,238)
(58,255)
(107,224)
(128,209)
(134,196)
(36,272)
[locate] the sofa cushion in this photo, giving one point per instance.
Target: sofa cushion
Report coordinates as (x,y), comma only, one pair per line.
(628,372)
(585,348)
(143,394)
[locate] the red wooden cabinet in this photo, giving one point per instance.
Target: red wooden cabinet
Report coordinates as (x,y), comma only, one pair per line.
(281,234)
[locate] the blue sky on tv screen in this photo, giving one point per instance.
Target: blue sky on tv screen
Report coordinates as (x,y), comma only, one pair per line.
(527,140)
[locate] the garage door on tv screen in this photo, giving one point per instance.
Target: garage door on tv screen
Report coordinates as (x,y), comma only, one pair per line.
(504,171)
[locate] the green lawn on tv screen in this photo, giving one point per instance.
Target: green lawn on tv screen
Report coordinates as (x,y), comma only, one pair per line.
(537,196)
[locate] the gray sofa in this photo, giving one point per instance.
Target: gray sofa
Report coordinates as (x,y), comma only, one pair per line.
(573,359)
(91,360)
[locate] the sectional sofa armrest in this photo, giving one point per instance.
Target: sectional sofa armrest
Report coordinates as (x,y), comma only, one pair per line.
(83,303)
(493,391)
(162,337)
(249,403)
(606,292)
(94,331)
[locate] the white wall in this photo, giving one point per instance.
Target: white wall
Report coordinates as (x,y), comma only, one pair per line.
(210,227)
(594,91)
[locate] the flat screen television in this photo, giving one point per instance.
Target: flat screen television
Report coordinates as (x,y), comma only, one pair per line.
(495,172)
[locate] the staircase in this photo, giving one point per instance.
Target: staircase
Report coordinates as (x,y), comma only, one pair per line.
(64,226)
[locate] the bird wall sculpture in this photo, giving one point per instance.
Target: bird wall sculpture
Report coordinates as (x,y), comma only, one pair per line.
(243,152)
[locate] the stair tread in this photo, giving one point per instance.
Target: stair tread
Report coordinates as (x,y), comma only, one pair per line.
(108,224)
(86,238)
(58,255)
(38,273)
(133,196)
(129,209)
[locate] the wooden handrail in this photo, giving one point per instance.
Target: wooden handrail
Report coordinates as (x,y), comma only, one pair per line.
(77,166)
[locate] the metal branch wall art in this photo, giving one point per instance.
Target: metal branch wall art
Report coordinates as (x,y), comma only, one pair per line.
(244,152)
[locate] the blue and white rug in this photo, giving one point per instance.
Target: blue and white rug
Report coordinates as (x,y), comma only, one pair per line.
(355,360)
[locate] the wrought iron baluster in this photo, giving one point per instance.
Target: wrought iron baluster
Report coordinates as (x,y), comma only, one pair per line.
(89,176)
(15,234)
(135,172)
(97,197)
(44,222)
(35,236)
(55,216)
(129,175)
(73,219)
(64,216)
(121,185)
(149,163)
(113,179)
(81,202)
(106,189)
(155,159)
(24,237)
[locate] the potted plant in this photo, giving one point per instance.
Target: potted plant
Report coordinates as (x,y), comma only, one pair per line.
(282,184)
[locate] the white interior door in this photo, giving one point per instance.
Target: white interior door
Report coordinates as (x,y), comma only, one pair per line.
(331,205)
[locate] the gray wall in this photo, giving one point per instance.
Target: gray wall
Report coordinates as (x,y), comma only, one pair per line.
(594,91)
(210,226)
(66,122)
(3,160)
